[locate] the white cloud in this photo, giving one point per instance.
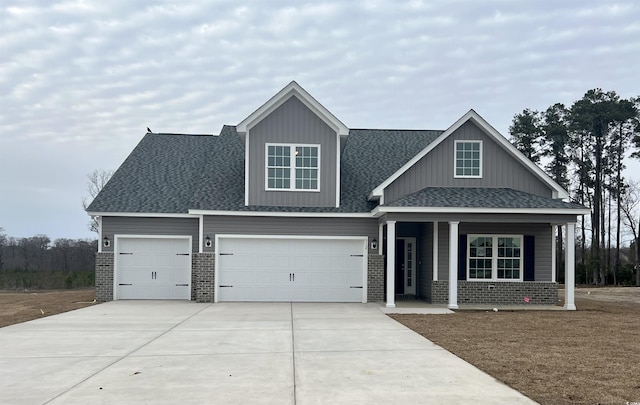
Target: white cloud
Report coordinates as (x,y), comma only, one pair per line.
(84,79)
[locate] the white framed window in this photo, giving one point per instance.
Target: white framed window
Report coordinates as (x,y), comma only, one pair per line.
(495,258)
(291,167)
(468,159)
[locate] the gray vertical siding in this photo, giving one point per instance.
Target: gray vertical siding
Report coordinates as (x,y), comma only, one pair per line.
(541,232)
(292,122)
(436,169)
(149,226)
(214,225)
(443,251)
(425,262)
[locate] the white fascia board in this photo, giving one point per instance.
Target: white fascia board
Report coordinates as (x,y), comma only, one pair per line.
(377,192)
(142,214)
(282,214)
(558,191)
(283,95)
(378,211)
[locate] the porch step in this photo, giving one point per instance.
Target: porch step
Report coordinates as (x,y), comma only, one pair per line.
(406,297)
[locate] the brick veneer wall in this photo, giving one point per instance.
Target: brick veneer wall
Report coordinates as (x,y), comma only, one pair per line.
(502,293)
(203,277)
(104,276)
(375,278)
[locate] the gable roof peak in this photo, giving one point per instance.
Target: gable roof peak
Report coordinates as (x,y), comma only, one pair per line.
(472,115)
(290,90)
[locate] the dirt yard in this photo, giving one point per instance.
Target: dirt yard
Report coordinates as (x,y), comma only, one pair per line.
(16,307)
(589,356)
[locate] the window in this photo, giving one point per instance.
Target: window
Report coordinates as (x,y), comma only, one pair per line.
(494,258)
(468,159)
(293,167)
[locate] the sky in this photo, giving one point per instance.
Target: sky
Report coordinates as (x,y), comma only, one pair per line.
(80,81)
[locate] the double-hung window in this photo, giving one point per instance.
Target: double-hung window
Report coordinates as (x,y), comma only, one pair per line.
(293,167)
(495,258)
(468,159)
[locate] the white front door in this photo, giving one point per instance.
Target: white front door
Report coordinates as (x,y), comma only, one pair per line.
(153,268)
(409,265)
(313,269)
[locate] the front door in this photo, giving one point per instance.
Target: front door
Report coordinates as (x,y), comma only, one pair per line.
(406,266)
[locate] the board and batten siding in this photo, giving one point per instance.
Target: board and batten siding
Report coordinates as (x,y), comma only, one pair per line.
(149,226)
(436,169)
(292,123)
(541,232)
(288,226)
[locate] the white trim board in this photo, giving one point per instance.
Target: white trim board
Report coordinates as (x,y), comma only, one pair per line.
(558,191)
(290,90)
(465,210)
(142,214)
(282,214)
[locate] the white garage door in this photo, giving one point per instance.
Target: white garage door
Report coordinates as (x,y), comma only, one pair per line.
(282,269)
(153,268)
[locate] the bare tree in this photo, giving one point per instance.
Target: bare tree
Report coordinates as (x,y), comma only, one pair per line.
(3,242)
(631,208)
(96,181)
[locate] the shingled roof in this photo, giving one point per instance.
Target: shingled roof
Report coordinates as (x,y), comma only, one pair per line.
(172,173)
(475,197)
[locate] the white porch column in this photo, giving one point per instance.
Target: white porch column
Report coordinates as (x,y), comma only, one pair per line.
(453,265)
(435,251)
(391,264)
(100,241)
(570,267)
(554,230)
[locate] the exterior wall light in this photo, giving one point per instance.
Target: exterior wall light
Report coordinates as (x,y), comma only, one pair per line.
(207,241)
(374,244)
(106,242)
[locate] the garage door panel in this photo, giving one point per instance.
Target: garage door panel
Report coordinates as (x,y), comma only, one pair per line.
(153,268)
(264,269)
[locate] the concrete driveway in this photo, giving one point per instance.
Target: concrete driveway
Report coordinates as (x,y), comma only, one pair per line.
(163,352)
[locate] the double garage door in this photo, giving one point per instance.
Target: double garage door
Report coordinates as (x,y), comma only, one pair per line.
(153,268)
(291,269)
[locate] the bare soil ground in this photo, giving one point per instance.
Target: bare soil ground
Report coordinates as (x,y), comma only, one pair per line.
(22,306)
(588,356)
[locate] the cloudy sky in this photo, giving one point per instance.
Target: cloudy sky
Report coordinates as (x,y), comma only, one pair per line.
(81,80)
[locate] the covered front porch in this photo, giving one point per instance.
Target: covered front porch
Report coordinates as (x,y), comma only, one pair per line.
(468,259)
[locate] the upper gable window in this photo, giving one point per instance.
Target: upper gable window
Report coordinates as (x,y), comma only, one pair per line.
(293,167)
(468,159)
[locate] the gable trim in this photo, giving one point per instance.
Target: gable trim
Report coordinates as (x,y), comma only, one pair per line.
(558,191)
(293,89)
(290,90)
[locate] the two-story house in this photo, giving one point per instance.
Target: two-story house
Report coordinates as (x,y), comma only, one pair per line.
(292,205)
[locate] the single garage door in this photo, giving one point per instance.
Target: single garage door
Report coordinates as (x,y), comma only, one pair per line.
(153,268)
(291,269)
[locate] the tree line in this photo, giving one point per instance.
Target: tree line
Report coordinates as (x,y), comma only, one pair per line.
(584,148)
(38,262)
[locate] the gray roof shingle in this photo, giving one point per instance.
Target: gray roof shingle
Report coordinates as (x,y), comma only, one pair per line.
(172,173)
(475,197)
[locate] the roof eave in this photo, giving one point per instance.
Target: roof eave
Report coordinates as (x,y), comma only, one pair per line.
(379,210)
(557,190)
(283,95)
